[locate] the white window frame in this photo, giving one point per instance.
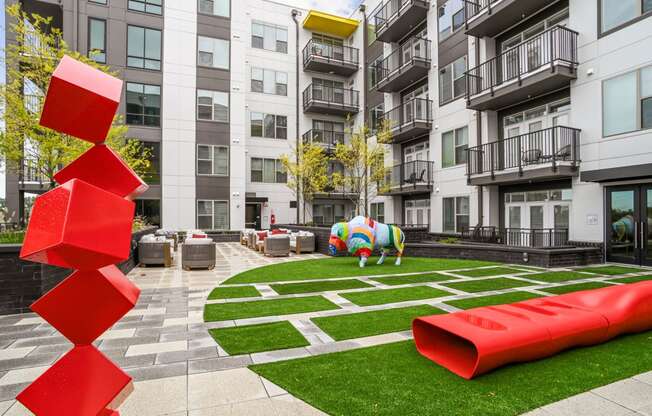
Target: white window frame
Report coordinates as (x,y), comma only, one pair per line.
(449,71)
(228,6)
(214,43)
(212,119)
(276,125)
(212,215)
(277,84)
(277,29)
(639,100)
(212,160)
(455,212)
(277,165)
(455,146)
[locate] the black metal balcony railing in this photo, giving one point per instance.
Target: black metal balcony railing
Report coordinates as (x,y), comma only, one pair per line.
(386,12)
(335,53)
(330,96)
(409,175)
(551,47)
(415,49)
(518,237)
(548,146)
(32,174)
(474,8)
(404,116)
(326,138)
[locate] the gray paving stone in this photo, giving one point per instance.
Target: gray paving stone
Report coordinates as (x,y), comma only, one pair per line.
(50,349)
(631,393)
(32,342)
(10,391)
(587,404)
(31,360)
(332,347)
(178,356)
(218,364)
(158,371)
(4,330)
(29,334)
(126,342)
(135,361)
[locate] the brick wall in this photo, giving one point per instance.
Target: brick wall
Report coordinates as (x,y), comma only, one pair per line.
(23,282)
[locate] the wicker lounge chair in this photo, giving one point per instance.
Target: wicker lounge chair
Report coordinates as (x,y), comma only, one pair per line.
(198,253)
(277,245)
(300,243)
(155,253)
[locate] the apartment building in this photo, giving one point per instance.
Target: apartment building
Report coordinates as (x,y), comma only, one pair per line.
(539,133)
(526,123)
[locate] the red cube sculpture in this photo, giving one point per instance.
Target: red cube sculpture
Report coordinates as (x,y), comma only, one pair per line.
(82,383)
(92,167)
(79,226)
(67,306)
(81,101)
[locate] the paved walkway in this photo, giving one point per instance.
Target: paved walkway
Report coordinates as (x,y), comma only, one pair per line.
(179,370)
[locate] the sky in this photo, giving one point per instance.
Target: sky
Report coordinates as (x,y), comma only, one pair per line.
(339,7)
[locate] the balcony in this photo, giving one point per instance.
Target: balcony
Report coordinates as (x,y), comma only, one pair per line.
(411,119)
(490,17)
(551,153)
(336,193)
(518,237)
(326,138)
(330,59)
(396,18)
(541,64)
(329,100)
(409,178)
(407,64)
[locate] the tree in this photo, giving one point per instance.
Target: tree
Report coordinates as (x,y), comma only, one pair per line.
(30,62)
(307,170)
(363,160)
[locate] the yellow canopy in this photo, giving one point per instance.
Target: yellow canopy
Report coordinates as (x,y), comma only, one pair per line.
(330,24)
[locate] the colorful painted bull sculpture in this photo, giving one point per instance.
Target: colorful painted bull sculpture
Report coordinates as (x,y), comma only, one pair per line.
(362,235)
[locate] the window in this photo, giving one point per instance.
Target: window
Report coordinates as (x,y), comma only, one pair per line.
(212,215)
(147,6)
(150,209)
(269,125)
(143,48)
(270,37)
(213,52)
(215,7)
(376,116)
(98,1)
(452,82)
(213,106)
(153,174)
(212,160)
(627,102)
(456,214)
(454,145)
(143,104)
(615,13)
(375,72)
(451,18)
(97,40)
(269,81)
(378,211)
(327,214)
(267,171)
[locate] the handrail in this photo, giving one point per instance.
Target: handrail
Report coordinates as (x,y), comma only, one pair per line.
(554,45)
(410,174)
(409,112)
(518,237)
(419,49)
(386,11)
(330,138)
(341,96)
(335,53)
(547,146)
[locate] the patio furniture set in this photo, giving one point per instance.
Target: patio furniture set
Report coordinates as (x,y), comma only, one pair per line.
(278,242)
(159,249)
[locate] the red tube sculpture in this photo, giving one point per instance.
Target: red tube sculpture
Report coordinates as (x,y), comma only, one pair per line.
(84,224)
(476,341)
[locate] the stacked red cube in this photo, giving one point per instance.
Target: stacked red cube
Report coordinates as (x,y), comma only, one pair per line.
(84,224)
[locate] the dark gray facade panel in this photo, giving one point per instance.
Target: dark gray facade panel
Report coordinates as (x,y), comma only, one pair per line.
(617,174)
(452,48)
(214,133)
(213,188)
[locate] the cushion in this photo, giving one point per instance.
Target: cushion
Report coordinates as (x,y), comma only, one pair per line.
(198,241)
(262,235)
(199,236)
(278,231)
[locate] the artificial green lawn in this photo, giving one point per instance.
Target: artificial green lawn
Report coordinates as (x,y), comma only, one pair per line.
(346,267)
(418,278)
(257,338)
(610,270)
(634,279)
(475,286)
(233,292)
(320,286)
(494,271)
(560,290)
(394,379)
(365,324)
(555,277)
(492,300)
(404,294)
(257,308)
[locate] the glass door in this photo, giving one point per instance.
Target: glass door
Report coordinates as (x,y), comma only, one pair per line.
(629,235)
(646,229)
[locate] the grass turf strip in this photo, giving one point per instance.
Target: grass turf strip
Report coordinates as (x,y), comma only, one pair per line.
(366,324)
(611,270)
(257,338)
(475,286)
(492,300)
(346,267)
(233,292)
(258,308)
(406,280)
(494,271)
(321,286)
(382,296)
(560,290)
(555,277)
(634,279)
(393,379)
